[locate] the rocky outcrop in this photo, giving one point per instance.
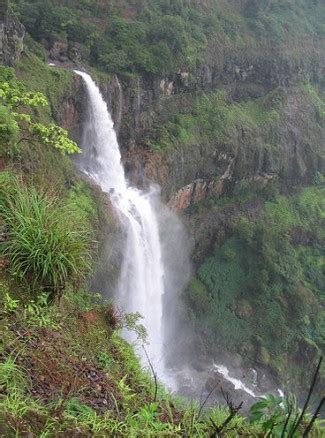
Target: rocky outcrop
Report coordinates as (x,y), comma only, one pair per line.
(72,109)
(61,50)
(194,193)
(12,34)
(293,149)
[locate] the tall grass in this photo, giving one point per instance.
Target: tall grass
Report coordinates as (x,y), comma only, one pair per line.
(47,245)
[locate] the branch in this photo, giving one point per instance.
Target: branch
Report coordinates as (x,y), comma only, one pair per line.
(315,416)
(205,401)
(311,390)
(287,421)
(233,412)
(153,373)
(24,139)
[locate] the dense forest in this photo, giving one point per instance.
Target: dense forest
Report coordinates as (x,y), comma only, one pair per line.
(221,104)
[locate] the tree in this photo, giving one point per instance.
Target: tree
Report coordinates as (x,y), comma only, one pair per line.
(16,104)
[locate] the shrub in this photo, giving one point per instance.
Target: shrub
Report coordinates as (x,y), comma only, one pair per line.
(46,245)
(318,179)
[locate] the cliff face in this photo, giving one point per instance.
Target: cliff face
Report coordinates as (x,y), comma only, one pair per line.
(258,54)
(290,147)
(189,170)
(12,34)
(278,134)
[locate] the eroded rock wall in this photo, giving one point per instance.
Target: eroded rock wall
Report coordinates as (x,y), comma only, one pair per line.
(12,34)
(245,76)
(292,151)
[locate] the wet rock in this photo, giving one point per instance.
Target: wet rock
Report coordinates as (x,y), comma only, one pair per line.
(59,51)
(12,34)
(194,193)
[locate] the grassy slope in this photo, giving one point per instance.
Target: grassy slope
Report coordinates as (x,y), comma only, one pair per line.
(65,369)
(42,166)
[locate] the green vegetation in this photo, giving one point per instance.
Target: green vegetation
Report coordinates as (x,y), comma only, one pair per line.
(282,417)
(37,76)
(215,120)
(48,241)
(64,368)
(70,371)
(271,265)
(164,35)
(279,18)
(47,244)
(16,105)
(160,37)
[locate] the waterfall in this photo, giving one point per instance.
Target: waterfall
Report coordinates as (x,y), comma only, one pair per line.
(138,105)
(120,105)
(141,284)
(152,272)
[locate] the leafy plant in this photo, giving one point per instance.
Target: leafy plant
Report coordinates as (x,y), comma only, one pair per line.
(104,360)
(318,179)
(280,416)
(55,136)
(130,321)
(270,412)
(11,376)
(46,245)
(10,304)
(16,104)
(39,314)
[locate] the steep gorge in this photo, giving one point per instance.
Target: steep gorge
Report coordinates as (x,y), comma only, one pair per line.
(225,139)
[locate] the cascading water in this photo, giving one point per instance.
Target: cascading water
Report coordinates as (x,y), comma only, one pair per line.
(120,105)
(141,285)
(149,269)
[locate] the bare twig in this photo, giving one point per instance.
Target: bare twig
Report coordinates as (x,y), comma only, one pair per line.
(311,390)
(233,411)
(315,416)
(192,418)
(24,139)
(205,401)
(153,373)
(287,421)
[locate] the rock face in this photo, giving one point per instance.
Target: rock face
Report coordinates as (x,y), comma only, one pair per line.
(194,172)
(194,193)
(12,34)
(189,173)
(73,109)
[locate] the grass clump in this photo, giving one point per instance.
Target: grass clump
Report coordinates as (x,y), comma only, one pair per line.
(46,244)
(11,376)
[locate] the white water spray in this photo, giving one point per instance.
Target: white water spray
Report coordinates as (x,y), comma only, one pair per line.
(120,105)
(141,285)
(238,384)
